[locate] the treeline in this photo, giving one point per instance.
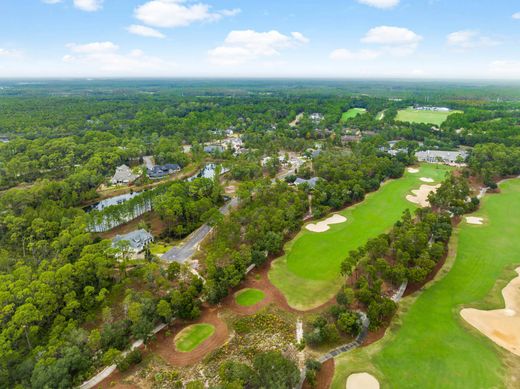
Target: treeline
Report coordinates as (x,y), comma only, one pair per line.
(410,251)
(492,161)
(345,178)
(268,214)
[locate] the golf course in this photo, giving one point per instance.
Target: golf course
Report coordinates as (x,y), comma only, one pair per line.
(249,297)
(192,336)
(412,115)
(352,113)
(429,345)
(309,272)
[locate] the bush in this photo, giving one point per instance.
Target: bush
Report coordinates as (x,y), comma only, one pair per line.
(133,358)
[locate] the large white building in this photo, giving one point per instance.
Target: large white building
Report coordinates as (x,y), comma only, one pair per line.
(434,156)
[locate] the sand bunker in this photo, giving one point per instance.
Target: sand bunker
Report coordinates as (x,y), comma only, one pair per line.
(362,381)
(324,225)
(425,179)
(413,170)
(502,326)
(474,220)
(420,196)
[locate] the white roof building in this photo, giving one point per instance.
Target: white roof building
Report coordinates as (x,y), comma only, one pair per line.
(123,175)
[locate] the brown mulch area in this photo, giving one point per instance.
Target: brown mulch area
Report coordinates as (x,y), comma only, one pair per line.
(165,347)
(325,376)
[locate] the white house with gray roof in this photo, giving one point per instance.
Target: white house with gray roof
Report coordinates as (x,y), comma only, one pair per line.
(435,156)
(137,240)
(123,175)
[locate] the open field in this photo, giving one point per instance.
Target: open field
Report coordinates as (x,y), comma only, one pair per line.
(248,297)
(430,117)
(429,345)
(352,113)
(190,337)
(308,273)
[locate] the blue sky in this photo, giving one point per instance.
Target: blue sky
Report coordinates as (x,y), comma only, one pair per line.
(283,38)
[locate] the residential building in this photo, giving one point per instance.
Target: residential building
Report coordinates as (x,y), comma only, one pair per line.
(161,171)
(311,182)
(137,240)
(213,149)
(123,175)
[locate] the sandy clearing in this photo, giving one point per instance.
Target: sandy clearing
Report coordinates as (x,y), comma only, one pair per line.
(474,220)
(502,326)
(420,196)
(362,381)
(324,224)
(413,170)
(426,179)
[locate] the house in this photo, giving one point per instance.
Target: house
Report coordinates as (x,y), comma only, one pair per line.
(123,175)
(137,240)
(311,182)
(212,149)
(435,156)
(316,117)
(160,171)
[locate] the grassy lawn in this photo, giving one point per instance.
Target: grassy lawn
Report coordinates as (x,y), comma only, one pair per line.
(431,117)
(308,273)
(159,248)
(380,115)
(248,297)
(429,344)
(352,113)
(191,337)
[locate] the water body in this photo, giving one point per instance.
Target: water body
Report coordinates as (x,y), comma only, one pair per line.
(102,224)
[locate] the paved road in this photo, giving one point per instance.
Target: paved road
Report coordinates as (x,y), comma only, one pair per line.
(185,251)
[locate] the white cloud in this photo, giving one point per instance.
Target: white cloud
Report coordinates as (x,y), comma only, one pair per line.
(348,55)
(105,58)
(469,39)
(176,13)
(8,53)
(396,41)
(89,5)
(247,45)
(383,4)
(149,32)
(516,16)
(389,35)
(52,1)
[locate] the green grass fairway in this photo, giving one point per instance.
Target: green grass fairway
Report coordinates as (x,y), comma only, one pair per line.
(248,297)
(352,113)
(191,337)
(308,274)
(430,117)
(429,344)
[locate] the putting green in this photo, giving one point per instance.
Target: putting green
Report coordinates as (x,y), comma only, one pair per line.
(248,297)
(192,336)
(352,113)
(430,117)
(429,344)
(309,272)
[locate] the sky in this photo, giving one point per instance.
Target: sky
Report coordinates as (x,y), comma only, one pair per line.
(423,39)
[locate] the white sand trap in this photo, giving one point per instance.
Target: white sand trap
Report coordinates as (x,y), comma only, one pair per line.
(324,224)
(362,381)
(420,196)
(425,179)
(502,326)
(413,170)
(474,220)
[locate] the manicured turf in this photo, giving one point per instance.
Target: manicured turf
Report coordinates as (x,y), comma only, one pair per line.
(308,274)
(352,113)
(248,297)
(430,345)
(431,117)
(191,337)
